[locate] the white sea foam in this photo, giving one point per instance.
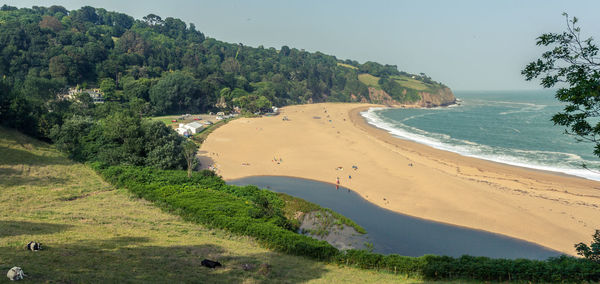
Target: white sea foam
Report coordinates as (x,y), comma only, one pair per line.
(529,108)
(541,160)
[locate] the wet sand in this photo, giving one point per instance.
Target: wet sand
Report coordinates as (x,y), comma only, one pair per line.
(324,141)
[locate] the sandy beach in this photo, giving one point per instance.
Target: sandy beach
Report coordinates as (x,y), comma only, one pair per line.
(324,141)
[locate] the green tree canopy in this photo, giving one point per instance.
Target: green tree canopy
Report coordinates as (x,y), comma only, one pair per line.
(571,63)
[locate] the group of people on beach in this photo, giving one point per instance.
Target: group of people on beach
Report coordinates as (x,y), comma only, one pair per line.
(337,182)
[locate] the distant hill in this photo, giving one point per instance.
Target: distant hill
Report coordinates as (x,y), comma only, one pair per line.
(170,67)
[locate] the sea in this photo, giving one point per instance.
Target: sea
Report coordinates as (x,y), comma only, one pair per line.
(510,127)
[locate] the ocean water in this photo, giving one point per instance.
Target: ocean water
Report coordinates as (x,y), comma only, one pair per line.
(511,127)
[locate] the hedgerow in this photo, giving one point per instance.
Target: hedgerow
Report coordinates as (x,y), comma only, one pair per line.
(247,210)
(556,269)
(206,199)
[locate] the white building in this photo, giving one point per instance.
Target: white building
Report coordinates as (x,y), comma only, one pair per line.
(189,129)
(95,94)
(194,127)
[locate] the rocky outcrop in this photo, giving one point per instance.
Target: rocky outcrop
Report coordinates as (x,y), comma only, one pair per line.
(378,96)
(443,97)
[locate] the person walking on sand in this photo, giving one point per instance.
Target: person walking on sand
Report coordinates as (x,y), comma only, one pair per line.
(338,180)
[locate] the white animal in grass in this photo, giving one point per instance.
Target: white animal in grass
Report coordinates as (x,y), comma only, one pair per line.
(15,273)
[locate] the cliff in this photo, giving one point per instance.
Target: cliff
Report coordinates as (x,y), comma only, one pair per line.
(442,97)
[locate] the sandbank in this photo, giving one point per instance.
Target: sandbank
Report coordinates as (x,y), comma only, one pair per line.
(324,141)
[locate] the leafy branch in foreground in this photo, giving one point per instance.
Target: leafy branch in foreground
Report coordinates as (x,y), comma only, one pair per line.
(591,252)
(572,62)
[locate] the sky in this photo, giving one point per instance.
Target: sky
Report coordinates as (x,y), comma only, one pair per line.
(465,44)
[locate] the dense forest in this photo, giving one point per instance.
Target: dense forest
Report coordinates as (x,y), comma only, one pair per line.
(154,66)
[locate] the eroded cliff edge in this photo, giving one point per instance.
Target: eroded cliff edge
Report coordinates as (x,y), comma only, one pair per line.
(441,97)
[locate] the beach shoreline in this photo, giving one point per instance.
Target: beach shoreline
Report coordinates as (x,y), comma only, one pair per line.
(547,208)
(361,121)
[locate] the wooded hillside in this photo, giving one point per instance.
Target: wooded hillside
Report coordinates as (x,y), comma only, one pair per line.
(165,66)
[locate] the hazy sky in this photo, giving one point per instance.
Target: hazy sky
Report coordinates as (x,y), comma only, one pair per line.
(468,45)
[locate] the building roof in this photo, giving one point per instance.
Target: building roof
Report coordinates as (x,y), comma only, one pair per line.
(195,125)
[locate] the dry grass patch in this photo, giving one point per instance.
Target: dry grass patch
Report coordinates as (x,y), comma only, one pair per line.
(347,66)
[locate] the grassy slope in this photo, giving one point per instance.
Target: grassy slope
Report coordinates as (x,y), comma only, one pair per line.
(95,233)
(404,81)
(369,80)
(410,83)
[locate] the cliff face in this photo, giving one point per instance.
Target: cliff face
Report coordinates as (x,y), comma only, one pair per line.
(377,96)
(443,97)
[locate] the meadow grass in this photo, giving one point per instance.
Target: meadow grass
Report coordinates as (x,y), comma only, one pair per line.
(167,119)
(93,233)
(369,80)
(410,83)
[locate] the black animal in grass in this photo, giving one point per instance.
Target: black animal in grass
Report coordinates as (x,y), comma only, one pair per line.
(210,264)
(33,246)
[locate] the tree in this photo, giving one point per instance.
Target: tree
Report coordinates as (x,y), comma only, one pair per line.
(253,103)
(153,20)
(189,152)
(69,137)
(109,88)
(175,92)
(572,63)
(285,50)
(591,252)
(163,146)
(52,23)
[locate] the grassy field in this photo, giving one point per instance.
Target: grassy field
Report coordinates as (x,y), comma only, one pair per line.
(404,81)
(94,233)
(410,83)
(369,80)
